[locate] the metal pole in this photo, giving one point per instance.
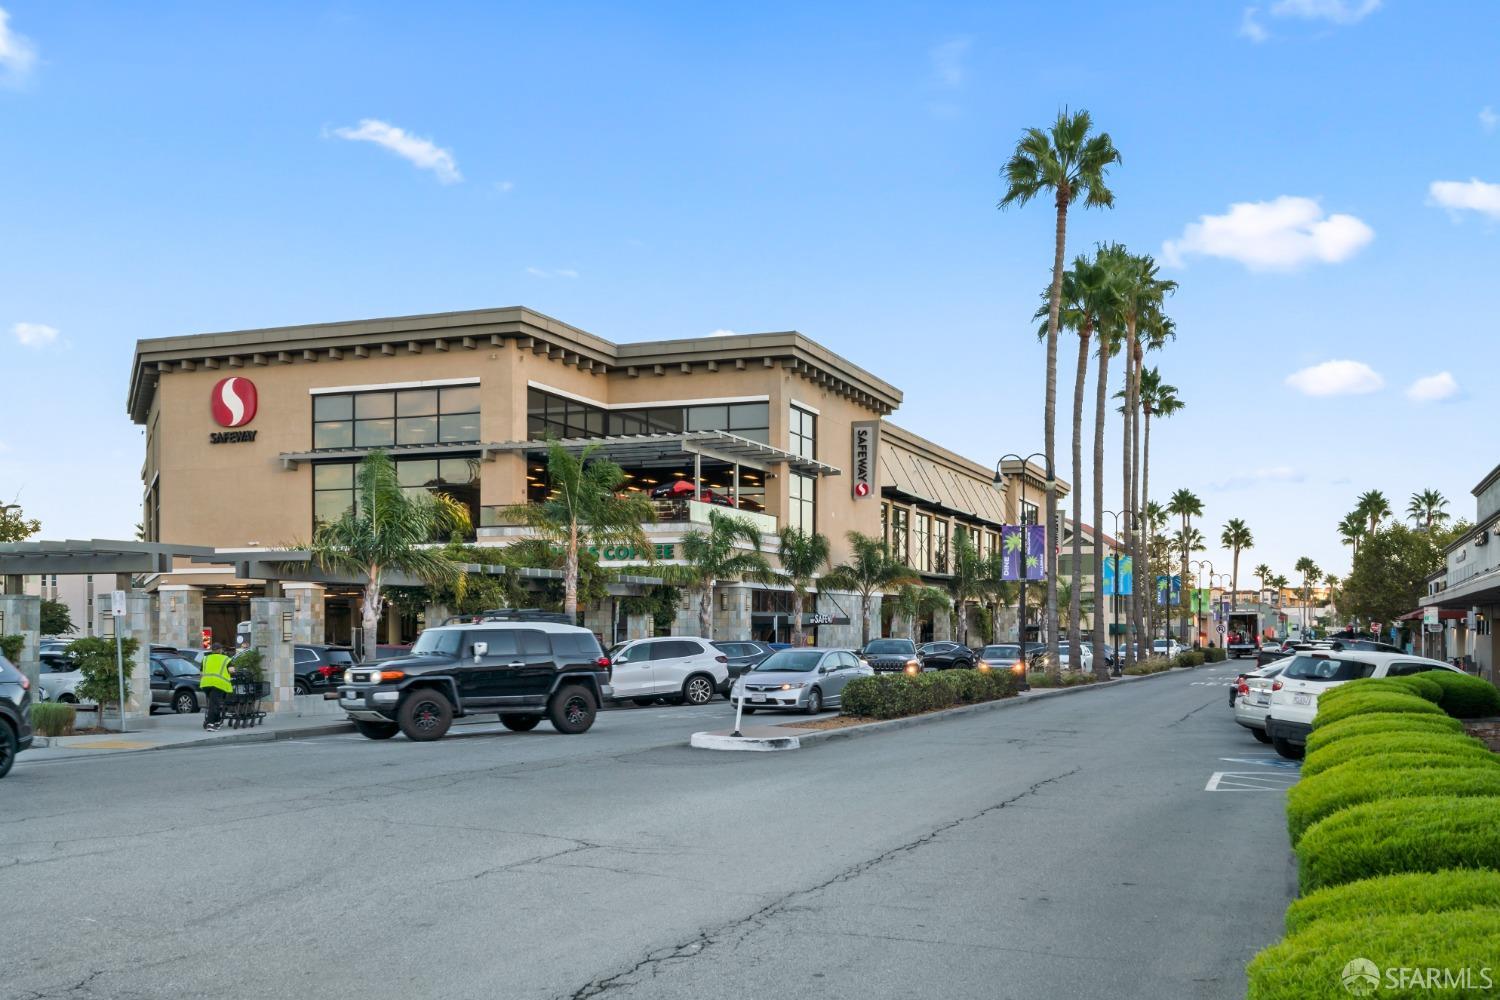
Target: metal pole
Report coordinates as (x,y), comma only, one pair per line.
(120,670)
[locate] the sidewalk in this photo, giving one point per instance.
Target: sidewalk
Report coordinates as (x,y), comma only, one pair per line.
(172,732)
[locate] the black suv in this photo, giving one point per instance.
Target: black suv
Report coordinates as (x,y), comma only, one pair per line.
(319,667)
(15,714)
(523,670)
(892,656)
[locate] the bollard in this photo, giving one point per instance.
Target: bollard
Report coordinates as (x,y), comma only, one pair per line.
(738,709)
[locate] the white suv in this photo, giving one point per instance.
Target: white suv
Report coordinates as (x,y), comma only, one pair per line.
(678,668)
(1294,695)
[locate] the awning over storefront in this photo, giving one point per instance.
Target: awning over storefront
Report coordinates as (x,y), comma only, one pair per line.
(1444,614)
(925,481)
(100,557)
(638,449)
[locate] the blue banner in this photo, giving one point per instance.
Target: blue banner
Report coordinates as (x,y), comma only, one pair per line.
(1127,576)
(1169,590)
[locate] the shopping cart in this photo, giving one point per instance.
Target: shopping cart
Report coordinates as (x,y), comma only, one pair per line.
(242,705)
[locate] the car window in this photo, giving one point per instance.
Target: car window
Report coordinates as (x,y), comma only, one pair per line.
(443,641)
(793,660)
(575,646)
(340,658)
(890,647)
(1406,669)
(1325,668)
(306,656)
(680,647)
(849,660)
(533,643)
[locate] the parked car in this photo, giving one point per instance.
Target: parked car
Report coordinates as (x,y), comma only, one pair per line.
(15,714)
(318,667)
(677,668)
(944,655)
(1002,656)
(891,656)
(1251,696)
(193,654)
(525,671)
(174,683)
(1272,652)
(53,645)
(803,680)
(1165,647)
(743,655)
(1065,657)
(59,678)
(1294,694)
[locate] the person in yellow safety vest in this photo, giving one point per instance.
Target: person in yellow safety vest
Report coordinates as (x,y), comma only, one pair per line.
(215,684)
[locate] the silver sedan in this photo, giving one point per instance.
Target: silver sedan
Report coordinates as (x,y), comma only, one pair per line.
(803,680)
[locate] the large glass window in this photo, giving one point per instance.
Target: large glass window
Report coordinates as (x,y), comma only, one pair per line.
(549,415)
(803,433)
(334,484)
(922,543)
(1029,512)
(802,508)
(900,522)
(940,547)
(387,418)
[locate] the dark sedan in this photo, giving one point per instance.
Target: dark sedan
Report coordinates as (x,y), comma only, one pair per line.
(944,655)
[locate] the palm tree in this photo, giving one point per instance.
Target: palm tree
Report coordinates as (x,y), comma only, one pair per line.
(1065,597)
(915,601)
(1333,586)
(389,531)
(1352,530)
(871,571)
(1186,505)
(1310,572)
(803,557)
(1262,573)
(1374,506)
(1236,536)
(585,506)
(1426,508)
(1279,581)
(1105,307)
(1069,163)
(970,579)
(1157,399)
(714,555)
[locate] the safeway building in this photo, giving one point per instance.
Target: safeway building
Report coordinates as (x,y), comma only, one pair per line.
(253,436)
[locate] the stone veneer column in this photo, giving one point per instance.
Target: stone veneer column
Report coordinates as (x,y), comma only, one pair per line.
(638,627)
(22,616)
(308,622)
(181,613)
(266,635)
(136,624)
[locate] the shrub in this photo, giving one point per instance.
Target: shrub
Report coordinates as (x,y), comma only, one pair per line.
(1311,964)
(53,718)
(1155,665)
(1465,697)
(1422,686)
(249,664)
(1388,685)
(1327,792)
(95,656)
(1388,836)
(1375,701)
(1387,723)
(1391,895)
(890,696)
(1215,654)
(1380,744)
(1070,678)
(1189,658)
(11,647)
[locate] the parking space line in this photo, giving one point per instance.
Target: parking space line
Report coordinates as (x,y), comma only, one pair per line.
(1248,781)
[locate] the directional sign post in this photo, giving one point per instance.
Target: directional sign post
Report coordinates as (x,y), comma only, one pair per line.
(117,612)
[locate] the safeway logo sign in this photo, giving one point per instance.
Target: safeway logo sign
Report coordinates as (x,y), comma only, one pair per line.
(866,441)
(233,402)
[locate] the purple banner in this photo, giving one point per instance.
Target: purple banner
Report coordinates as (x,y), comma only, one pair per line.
(1023,550)
(1010,549)
(1036,552)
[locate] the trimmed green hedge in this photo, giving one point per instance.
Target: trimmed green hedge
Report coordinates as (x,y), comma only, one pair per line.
(1154,665)
(1376,745)
(1381,723)
(890,696)
(1188,658)
(1375,701)
(1324,794)
(1215,654)
(1465,697)
(53,718)
(1069,678)
(1392,895)
(1389,836)
(1312,964)
(1388,685)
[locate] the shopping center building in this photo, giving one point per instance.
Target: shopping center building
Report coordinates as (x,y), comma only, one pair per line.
(252,438)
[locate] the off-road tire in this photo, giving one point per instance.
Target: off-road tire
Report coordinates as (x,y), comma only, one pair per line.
(572,709)
(520,723)
(425,714)
(376,730)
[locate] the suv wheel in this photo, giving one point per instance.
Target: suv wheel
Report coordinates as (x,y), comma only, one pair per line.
(376,730)
(520,723)
(572,709)
(184,702)
(1260,734)
(301,687)
(698,689)
(1288,750)
(9,747)
(425,715)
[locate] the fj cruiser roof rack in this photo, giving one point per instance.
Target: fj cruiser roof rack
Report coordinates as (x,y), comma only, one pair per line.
(510,615)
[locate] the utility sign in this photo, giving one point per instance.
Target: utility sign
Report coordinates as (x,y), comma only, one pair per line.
(866,441)
(117,604)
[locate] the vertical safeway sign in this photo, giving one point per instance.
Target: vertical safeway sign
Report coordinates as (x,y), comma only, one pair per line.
(866,441)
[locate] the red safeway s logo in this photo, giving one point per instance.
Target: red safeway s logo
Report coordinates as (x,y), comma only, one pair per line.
(233,402)
(861,489)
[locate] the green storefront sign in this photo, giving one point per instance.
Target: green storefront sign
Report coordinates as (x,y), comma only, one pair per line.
(629,553)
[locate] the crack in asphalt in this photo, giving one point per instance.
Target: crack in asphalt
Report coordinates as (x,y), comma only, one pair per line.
(1214,701)
(704,940)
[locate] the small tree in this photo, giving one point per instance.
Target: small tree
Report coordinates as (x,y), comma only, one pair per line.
(872,571)
(917,601)
(970,580)
(803,556)
(56,618)
(95,657)
(11,647)
(15,526)
(714,555)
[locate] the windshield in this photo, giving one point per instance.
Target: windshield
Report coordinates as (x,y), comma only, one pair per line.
(1323,668)
(890,647)
(438,642)
(798,661)
(1000,652)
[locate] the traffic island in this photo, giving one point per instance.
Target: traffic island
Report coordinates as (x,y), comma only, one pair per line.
(751,738)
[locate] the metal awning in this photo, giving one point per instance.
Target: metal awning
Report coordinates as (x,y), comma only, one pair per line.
(289,459)
(97,556)
(718,446)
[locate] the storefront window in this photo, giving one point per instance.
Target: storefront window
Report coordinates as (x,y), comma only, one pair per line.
(940,548)
(334,484)
(802,503)
(922,543)
(900,519)
(550,415)
(447,415)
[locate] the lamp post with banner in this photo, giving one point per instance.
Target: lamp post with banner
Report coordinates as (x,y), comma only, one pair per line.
(1000,481)
(1115,590)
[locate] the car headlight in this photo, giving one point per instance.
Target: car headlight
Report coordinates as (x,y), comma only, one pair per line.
(912,666)
(983,665)
(1018,668)
(793,687)
(348,676)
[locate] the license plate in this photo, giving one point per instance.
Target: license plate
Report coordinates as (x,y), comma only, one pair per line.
(757,697)
(1301,699)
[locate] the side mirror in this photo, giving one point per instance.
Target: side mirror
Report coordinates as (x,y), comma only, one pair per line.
(480,649)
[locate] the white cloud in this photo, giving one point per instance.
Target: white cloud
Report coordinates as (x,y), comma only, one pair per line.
(1336,378)
(724,333)
(1276,235)
(1488,119)
(17,53)
(1336,11)
(1473,195)
(560,272)
(422,153)
(1251,28)
(37,335)
(948,62)
(1267,474)
(1431,388)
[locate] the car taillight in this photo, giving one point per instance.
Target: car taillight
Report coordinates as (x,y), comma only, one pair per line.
(326,671)
(1243,686)
(25,683)
(721,658)
(603,663)
(1275,685)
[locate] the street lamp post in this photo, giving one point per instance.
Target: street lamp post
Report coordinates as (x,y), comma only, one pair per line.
(1222,581)
(1021,513)
(1115,558)
(1200,564)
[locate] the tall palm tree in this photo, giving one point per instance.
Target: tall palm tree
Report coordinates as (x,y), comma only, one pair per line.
(1158,399)
(871,571)
(1280,582)
(1154,522)
(1186,505)
(1352,531)
(1375,508)
(1262,573)
(389,531)
(803,557)
(716,554)
(1085,603)
(1310,572)
(1333,585)
(1426,508)
(585,506)
(1103,303)
(1069,162)
(915,601)
(1236,536)
(970,579)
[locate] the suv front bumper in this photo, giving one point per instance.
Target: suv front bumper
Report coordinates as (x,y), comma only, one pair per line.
(369,704)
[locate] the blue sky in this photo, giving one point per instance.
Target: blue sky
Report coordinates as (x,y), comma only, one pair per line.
(172,168)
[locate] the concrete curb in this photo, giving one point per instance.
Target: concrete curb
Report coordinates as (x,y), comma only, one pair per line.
(886,725)
(710,741)
(251,735)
